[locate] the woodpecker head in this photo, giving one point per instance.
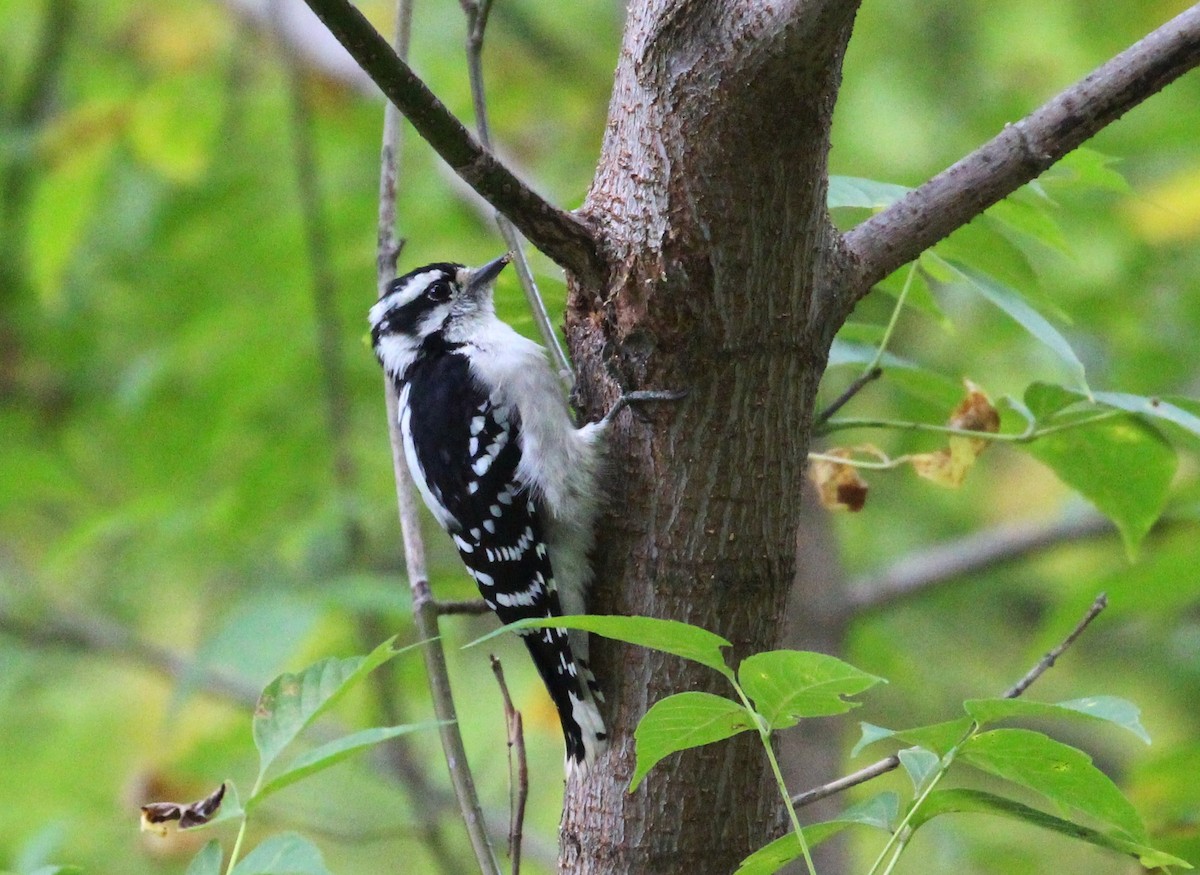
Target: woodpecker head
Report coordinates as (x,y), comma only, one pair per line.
(442,300)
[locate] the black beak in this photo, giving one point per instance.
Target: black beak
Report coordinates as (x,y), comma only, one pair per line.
(481,277)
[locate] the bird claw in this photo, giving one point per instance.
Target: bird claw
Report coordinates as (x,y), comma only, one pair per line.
(642,396)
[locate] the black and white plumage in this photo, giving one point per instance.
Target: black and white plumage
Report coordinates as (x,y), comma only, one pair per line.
(491,446)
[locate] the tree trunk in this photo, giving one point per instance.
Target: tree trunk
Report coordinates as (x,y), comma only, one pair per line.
(710,203)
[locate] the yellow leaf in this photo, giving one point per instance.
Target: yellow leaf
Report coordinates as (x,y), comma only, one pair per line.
(949,466)
(839,484)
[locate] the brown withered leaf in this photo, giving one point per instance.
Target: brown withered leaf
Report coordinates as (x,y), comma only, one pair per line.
(839,484)
(162,817)
(975,413)
(949,466)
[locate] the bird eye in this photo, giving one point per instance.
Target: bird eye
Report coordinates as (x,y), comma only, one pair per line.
(439,291)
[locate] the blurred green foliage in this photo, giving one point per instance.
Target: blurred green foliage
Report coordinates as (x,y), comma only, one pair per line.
(167,470)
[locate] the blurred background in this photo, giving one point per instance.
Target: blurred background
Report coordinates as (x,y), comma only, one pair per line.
(195,482)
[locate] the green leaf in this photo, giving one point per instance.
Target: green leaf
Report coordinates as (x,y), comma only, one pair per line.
(1044,400)
(669,636)
(787,685)
(208,861)
(285,854)
(1029,220)
(919,298)
(879,812)
(683,721)
(334,752)
(293,701)
(920,764)
(849,352)
(975,801)
(937,737)
(863,334)
(853,191)
(1062,774)
(64,206)
(1122,466)
(254,640)
(1156,408)
(870,734)
(1112,709)
(1087,168)
(912,378)
(1017,308)
(58,870)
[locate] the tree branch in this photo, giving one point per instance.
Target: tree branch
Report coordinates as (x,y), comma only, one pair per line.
(1019,153)
(95,634)
(518,771)
(889,763)
(477,12)
(976,552)
(559,234)
(425,608)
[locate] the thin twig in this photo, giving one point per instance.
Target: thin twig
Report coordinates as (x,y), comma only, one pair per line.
(94,633)
(477,15)
(398,750)
(853,389)
(972,554)
(1018,154)
(887,764)
(518,783)
(1047,661)
(561,235)
(425,613)
(466,606)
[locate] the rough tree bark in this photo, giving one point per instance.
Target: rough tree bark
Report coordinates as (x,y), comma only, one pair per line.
(709,205)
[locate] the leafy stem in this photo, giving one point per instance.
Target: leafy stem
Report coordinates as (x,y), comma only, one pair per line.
(764,735)
(241,833)
(1031,432)
(891,326)
(901,836)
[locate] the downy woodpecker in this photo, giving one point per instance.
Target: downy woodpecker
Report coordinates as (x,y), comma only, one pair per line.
(491,446)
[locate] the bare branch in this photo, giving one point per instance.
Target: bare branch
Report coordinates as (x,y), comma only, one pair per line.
(518,780)
(853,389)
(559,234)
(477,12)
(1047,661)
(882,767)
(887,764)
(425,610)
(974,553)
(94,633)
(1019,153)
(467,606)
